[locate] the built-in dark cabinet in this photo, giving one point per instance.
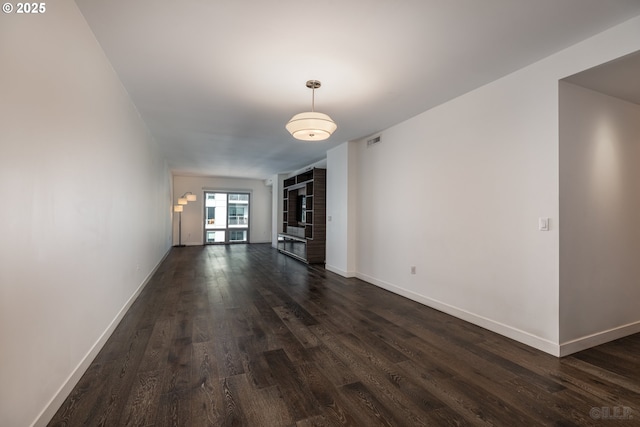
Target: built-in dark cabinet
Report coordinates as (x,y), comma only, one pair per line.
(304,216)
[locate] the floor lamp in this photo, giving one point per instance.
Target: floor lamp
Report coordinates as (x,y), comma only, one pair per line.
(182,200)
(178,208)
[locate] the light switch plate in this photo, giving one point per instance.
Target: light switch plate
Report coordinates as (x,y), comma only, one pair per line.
(543,224)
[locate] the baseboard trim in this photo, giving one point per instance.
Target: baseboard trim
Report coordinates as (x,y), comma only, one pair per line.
(484,322)
(343,273)
(583,343)
(72,380)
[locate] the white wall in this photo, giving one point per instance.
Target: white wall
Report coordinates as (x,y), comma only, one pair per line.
(85,215)
(193,214)
(341,209)
(599,205)
(457,192)
(277,189)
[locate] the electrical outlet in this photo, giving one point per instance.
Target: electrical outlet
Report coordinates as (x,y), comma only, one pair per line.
(413,269)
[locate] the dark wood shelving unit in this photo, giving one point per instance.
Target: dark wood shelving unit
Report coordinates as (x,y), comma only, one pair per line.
(304,216)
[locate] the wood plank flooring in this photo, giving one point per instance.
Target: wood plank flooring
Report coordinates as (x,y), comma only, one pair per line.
(244,336)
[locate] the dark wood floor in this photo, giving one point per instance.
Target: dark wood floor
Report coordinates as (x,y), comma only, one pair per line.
(243,335)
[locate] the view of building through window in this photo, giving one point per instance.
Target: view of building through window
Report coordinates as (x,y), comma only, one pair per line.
(226,218)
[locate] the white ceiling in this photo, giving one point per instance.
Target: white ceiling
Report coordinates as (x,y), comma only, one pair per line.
(619,78)
(217,80)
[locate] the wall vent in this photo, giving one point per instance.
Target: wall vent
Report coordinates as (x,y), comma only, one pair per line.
(373,141)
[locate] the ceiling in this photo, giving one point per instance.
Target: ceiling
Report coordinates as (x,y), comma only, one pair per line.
(217,80)
(619,78)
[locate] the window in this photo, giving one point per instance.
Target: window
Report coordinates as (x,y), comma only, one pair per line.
(226,218)
(237,235)
(238,215)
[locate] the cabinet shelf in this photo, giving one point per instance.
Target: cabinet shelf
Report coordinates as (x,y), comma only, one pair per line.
(304,216)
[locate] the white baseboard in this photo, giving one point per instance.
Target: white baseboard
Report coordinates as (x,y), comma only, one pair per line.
(72,380)
(339,271)
(492,325)
(598,338)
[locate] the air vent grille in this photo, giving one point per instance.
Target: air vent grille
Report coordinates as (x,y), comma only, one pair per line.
(373,141)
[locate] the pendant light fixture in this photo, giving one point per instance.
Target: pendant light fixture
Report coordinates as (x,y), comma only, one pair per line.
(311,125)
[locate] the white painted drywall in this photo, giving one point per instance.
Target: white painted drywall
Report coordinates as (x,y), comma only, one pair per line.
(457,192)
(85,216)
(193,213)
(600,226)
(277,197)
(341,209)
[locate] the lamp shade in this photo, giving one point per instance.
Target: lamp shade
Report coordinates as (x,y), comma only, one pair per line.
(182,201)
(311,126)
(178,208)
(191,197)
